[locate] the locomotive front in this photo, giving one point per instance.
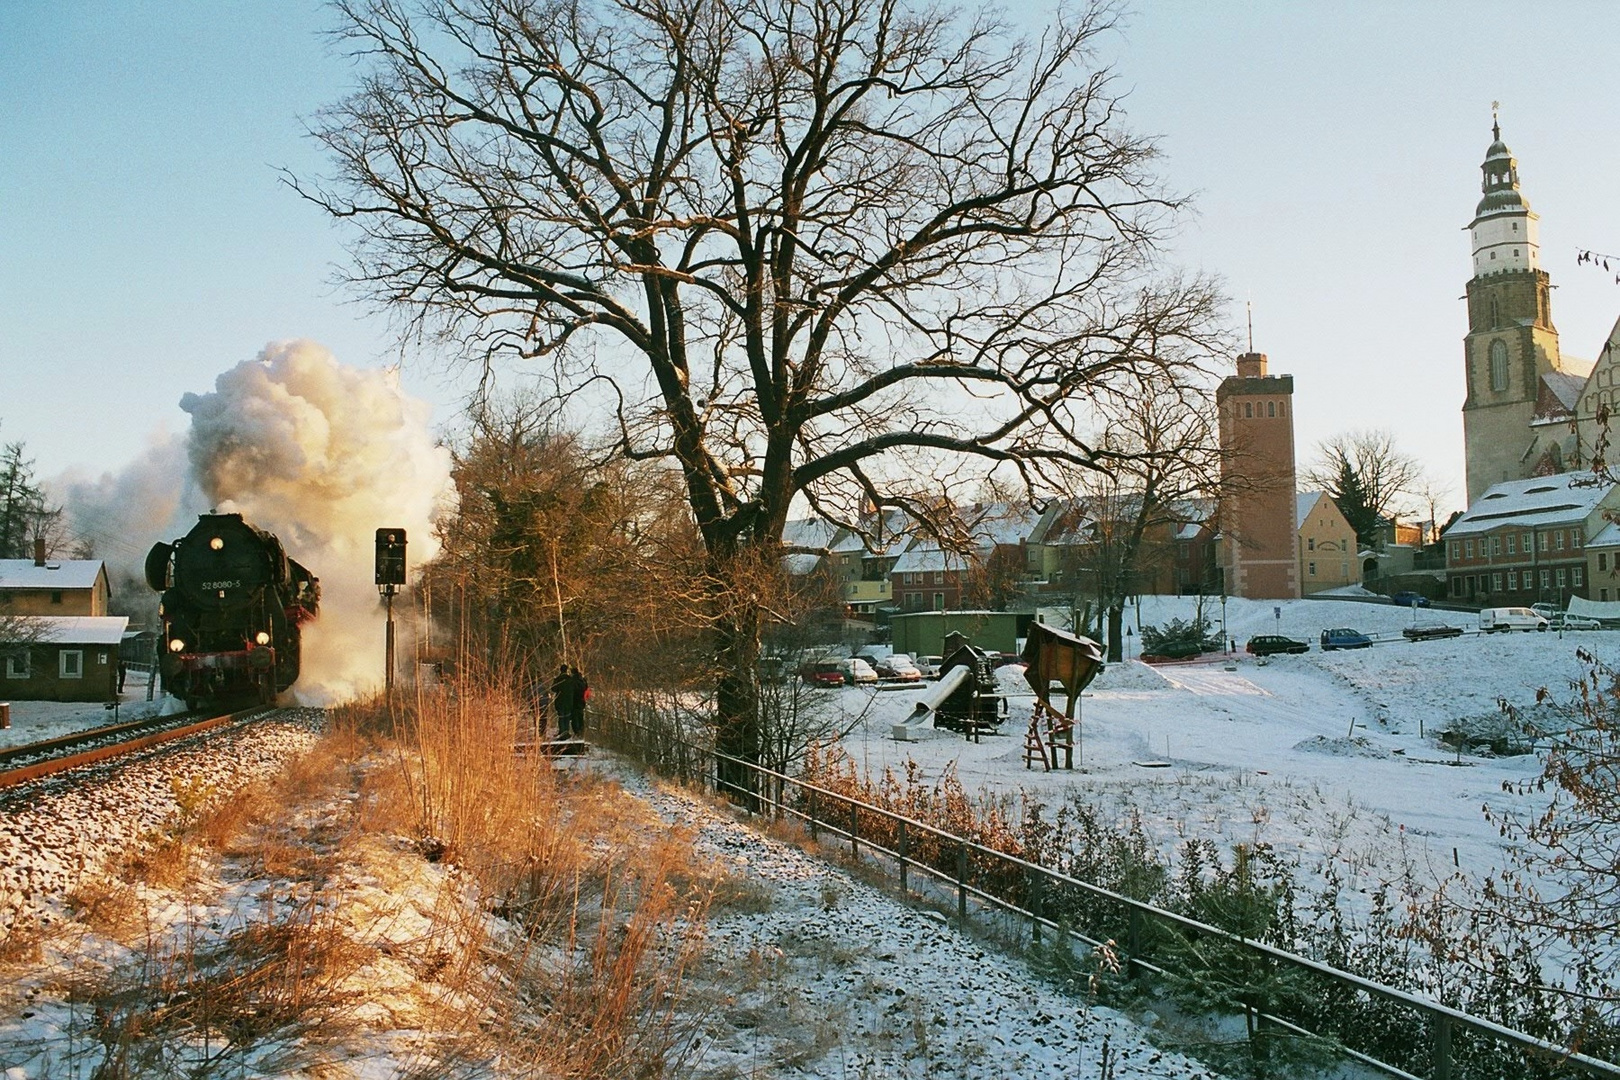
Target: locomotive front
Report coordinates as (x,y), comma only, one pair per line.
(232,606)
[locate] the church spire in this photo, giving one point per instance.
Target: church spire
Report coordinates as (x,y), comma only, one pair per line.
(1503,231)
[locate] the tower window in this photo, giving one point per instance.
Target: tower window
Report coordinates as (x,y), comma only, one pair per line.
(1248,410)
(1271,408)
(1499,365)
(1515,226)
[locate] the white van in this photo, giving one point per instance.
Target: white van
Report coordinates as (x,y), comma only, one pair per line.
(1492,619)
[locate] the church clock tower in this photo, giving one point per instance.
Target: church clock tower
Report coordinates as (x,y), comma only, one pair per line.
(1511,343)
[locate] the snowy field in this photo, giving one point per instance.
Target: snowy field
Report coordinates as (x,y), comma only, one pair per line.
(1330,755)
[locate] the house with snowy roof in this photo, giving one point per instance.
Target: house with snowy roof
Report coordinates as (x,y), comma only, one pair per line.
(1327,544)
(1525,541)
(41,586)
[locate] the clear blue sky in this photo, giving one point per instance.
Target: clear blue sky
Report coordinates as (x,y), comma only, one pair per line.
(1333,149)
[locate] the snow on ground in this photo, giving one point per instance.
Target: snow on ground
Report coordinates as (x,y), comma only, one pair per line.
(833,978)
(1324,753)
(36,721)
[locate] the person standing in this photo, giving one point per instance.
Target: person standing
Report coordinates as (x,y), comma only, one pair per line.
(581,693)
(562,701)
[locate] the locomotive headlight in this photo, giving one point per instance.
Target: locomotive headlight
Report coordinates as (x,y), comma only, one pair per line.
(262,638)
(216,543)
(176,645)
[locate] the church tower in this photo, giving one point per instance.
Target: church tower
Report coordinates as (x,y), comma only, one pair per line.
(1511,345)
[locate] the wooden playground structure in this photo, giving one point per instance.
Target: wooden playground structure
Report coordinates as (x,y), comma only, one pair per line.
(1055,656)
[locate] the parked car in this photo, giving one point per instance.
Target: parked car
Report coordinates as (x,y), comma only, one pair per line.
(1429,633)
(857,670)
(823,673)
(1492,619)
(1343,637)
(899,667)
(1271,644)
(1547,611)
(1409,599)
(1566,621)
(929,666)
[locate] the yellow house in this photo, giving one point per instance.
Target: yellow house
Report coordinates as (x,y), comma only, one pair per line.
(1327,544)
(53,587)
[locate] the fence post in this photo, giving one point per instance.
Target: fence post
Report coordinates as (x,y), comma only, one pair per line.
(904,852)
(1442,1048)
(961,882)
(854,828)
(1133,942)
(1036,880)
(810,810)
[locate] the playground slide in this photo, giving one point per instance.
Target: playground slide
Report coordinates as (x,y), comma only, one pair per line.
(948,684)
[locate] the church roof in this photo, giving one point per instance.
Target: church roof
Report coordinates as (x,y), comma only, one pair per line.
(1559,393)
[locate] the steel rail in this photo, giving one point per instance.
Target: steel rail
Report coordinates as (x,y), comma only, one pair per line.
(49,767)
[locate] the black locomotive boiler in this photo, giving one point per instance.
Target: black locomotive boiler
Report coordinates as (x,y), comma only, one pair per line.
(233,607)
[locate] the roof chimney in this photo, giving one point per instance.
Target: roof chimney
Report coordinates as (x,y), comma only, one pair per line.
(1251,365)
(39,551)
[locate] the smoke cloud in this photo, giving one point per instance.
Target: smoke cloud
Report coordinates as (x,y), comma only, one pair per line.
(323,455)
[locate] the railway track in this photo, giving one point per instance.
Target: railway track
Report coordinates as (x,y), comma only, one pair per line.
(22,764)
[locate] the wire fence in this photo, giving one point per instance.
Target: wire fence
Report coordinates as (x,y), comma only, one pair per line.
(1277,992)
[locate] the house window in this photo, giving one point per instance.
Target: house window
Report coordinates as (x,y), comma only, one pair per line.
(1344,569)
(1496,545)
(1510,543)
(1312,569)
(1603,594)
(1271,408)
(1310,543)
(1603,561)
(1499,365)
(1558,539)
(1546,579)
(17,666)
(1456,550)
(1576,577)
(1541,541)
(939,577)
(1513,580)
(1526,546)
(1456,586)
(1560,577)
(56,597)
(1468,549)
(939,601)
(70,664)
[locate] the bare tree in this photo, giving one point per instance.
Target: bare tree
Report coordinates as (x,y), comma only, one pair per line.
(853,251)
(1367,478)
(1167,475)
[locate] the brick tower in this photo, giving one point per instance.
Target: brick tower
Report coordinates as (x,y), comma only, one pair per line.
(1257,473)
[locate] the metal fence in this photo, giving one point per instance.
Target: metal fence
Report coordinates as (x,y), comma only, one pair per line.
(986,879)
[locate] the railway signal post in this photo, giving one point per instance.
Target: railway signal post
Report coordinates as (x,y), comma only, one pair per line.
(390,575)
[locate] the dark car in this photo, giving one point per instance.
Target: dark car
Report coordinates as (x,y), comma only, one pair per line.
(1430,633)
(1272,644)
(1409,599)
(1343,637)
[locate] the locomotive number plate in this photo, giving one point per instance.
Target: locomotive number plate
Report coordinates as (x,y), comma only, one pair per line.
(222,584)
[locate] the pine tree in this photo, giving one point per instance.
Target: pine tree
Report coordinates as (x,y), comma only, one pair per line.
(24,513)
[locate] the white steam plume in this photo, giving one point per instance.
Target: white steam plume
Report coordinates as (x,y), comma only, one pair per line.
(323,455)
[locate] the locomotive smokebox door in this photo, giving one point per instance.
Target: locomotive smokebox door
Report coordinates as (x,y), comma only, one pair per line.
(390,556)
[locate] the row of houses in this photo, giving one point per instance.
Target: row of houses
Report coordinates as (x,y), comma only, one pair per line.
(56,639)
(1020,553)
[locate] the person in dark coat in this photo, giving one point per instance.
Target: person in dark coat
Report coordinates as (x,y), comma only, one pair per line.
(562,701)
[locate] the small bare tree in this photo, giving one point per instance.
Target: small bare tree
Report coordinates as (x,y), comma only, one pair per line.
(850,252)
(1367,477)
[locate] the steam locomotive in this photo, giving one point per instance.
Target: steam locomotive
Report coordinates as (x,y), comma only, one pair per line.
(233,607)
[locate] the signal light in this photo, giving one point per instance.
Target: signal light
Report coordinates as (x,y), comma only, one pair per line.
(390,557)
